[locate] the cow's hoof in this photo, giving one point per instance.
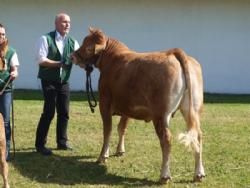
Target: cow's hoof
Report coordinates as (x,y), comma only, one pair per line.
(165,180)
(102,160)
(119,154)
(6,186)
(199,178)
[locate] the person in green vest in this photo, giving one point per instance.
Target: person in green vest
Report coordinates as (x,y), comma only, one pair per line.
(8,73)
(53,57)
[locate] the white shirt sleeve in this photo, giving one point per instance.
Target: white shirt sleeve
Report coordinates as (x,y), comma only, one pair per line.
(76,45)
(42,49)
(14,60)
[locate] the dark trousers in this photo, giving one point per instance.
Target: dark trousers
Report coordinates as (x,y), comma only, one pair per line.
(56,97)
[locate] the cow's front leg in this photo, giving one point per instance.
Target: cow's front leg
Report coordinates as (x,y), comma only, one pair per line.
(161,128)
(121,128)
(107,128)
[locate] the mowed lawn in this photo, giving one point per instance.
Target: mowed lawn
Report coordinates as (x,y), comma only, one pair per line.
(226,148)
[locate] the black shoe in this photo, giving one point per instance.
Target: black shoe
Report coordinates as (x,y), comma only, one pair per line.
(64,147)
(44,151)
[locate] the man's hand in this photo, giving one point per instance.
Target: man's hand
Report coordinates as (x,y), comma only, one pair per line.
(65,64)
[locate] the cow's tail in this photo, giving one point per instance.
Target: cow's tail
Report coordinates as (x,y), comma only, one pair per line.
(190,138)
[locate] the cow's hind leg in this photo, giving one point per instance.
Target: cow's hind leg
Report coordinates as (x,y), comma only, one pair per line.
(193,138)
(121,128)
(161,127)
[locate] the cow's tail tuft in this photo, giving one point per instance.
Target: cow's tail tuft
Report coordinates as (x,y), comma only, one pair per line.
(189,139)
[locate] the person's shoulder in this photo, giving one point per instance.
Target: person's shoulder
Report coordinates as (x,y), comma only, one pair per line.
(41,40)
(11,51)
(46,38)
(50,34)
(10,48)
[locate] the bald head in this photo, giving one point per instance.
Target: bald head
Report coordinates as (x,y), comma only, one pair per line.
(62,23)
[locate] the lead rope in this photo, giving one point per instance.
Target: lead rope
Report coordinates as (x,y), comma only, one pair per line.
(89,90)
(13,124)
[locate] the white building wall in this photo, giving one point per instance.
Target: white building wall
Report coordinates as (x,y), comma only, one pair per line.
(217,34)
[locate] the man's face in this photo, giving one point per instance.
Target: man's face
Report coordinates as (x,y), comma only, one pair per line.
(2,35)
(63,24)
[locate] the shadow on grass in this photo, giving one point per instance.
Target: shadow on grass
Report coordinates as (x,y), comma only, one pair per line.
(70,170)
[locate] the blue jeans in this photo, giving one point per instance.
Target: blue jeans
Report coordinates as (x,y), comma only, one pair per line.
(5,106)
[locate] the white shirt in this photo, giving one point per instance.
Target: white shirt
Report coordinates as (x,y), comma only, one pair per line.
(42,47)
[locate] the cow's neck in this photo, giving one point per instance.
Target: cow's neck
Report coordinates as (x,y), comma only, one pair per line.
(113,45)
(112,49)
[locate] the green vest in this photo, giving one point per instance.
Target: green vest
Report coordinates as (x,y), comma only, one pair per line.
(5,74)
(57,74)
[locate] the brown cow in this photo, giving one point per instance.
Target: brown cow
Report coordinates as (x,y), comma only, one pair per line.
(146,86)
(3,163)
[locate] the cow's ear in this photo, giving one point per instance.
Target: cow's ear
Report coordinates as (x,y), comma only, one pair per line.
(91,29)
(99,48)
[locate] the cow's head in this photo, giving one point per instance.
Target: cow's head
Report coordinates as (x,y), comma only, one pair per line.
(91,48)
(3,51)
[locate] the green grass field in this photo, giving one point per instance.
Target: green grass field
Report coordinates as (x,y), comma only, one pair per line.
(226,148)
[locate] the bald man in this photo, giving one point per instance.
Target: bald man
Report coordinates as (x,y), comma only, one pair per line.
(53,58)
